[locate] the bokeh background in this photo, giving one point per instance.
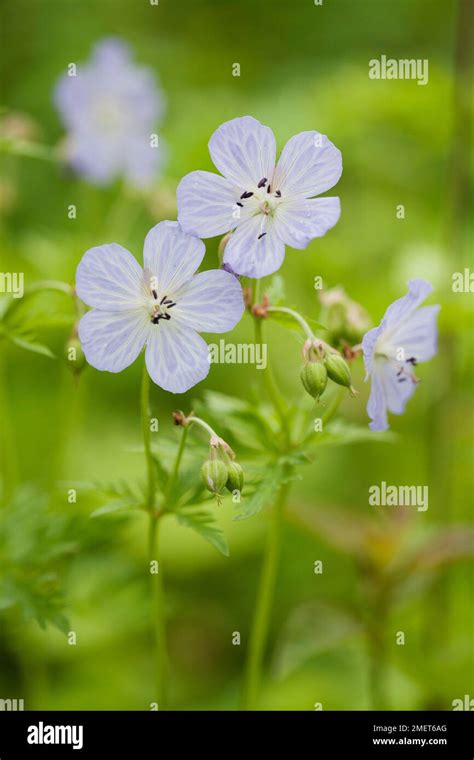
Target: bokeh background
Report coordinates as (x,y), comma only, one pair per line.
(333,635)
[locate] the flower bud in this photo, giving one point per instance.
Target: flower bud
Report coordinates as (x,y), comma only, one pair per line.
(338,370)
(214,475)
(314,377)
(75,355)
(235,479)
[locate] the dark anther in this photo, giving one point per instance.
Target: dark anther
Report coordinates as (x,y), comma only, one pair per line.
(262,182)
(247,194)
(163,300)
(412,361)
(170,305)
(278,193)
(156,319)
(155,296)
(261,235)
(269,189)
(239,204)
(399,371)
(402,379)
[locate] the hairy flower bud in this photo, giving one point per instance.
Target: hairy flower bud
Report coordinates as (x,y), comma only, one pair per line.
(314,377)
(338,370)
(214,475)
(235,479)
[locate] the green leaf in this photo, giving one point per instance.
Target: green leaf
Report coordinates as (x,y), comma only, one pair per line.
(204,523)
(264,493)
(28,345)
(339,433)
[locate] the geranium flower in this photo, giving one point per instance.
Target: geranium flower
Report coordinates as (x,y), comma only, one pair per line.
(162,307)
(110,109)
(406,336)
(268,206)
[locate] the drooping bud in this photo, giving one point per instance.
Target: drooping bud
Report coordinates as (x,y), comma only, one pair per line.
(235,479)
(338,370)
(214,475)
(314,377)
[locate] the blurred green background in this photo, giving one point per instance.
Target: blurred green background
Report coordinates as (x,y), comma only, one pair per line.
(302,67)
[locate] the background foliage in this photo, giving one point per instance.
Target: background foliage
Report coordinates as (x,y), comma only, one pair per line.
(302,67)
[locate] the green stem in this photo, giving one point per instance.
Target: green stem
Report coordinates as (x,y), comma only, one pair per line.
(297,317)
(266,590)
(270,384)
(174,475)
(159,629)
(201,423)
(145,409)
(153,550)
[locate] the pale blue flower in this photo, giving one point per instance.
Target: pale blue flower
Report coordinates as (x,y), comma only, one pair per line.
(162,307)
(268,206)
(406,336)
(111,109)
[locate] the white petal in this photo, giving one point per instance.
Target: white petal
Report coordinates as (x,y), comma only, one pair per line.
(397,389)
(309,165)
(300,221)
(207,204)
(172,256)
(108,277)
(211,302)
(176,356)
(403,308)
(250,254)
(368,344)
(244,151)
(377,406)
(418,335)
(112,340)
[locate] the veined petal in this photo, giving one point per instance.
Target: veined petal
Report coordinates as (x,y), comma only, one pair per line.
(368,344)
(207,204)
(255,249)
(172,256)
(244,151)
(309,165)
(418,335)
(403,308)
(109,277)
(377,406)
(112,340)
(211,302)
(176,357)
(300,221)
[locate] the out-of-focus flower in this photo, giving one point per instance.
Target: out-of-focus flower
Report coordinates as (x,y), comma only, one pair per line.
(345,319)
(406,336)
(162,307)
(110,109)
(268,206)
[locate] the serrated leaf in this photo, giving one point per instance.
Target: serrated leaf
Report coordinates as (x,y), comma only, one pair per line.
(204,523)
(264,493)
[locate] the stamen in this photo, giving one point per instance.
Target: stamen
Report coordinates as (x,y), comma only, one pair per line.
(155,296)
(247,194)
(261,235)
(262,182)
(163,300)
(269,189)
(170,306)
(278,193)
(239,204)
(412,361)
(402,379)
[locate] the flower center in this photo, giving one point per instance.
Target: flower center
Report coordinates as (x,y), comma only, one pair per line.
(267,199)
(159,308)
